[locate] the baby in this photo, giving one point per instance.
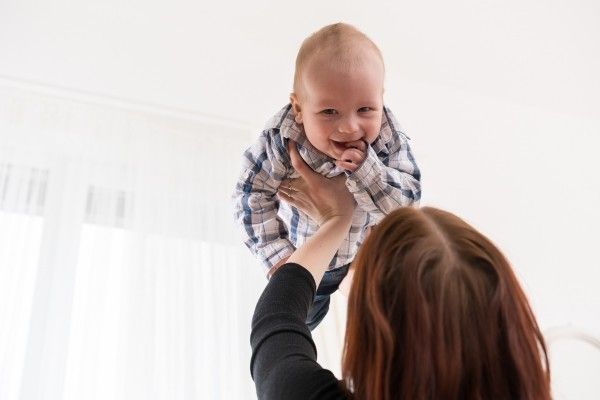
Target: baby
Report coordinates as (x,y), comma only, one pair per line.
(338,122)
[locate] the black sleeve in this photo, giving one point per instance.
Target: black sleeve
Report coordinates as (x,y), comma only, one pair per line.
(284,357)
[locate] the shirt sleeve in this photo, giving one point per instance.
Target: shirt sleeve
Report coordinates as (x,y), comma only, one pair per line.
(387,180)
(255,203)
(284,357)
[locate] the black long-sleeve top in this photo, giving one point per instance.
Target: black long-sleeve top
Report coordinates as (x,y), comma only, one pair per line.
(284,357)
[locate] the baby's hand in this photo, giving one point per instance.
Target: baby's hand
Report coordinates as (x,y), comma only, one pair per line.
(353,156)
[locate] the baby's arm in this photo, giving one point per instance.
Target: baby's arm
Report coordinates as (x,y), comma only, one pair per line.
(264,167)
(388,181)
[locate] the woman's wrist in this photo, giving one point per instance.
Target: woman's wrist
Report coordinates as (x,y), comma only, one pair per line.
(342,219)
(316,253)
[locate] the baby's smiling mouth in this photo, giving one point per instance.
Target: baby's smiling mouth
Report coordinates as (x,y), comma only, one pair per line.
(339,145)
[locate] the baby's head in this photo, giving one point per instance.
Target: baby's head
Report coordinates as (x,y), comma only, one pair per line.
(338,88)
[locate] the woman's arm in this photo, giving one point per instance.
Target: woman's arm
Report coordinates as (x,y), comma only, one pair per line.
(284,358)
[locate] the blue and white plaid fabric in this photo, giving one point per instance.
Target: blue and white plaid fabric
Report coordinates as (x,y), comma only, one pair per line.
(389,178)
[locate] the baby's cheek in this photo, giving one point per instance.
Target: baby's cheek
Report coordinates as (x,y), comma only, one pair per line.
(372,136)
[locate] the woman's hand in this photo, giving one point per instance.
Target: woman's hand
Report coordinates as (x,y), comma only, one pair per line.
(327,201)
(319,197)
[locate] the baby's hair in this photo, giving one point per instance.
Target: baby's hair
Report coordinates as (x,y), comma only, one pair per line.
(340,42)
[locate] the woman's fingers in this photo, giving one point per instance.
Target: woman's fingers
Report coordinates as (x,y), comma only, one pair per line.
(288,195)
(294,197)
(293,185)
(318,197)
(284,195)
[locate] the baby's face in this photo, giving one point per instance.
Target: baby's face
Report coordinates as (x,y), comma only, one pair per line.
(339,106)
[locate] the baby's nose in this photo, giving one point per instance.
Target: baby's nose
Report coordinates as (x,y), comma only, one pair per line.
(348,126)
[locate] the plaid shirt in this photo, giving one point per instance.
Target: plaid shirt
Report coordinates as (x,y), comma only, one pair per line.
(388,178)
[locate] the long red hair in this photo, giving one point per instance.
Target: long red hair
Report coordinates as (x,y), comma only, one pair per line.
(436,312)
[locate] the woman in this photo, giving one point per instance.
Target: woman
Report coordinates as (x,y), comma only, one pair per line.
(434,311)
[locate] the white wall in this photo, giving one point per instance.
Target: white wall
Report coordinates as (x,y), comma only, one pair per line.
(208,56)
(501,99)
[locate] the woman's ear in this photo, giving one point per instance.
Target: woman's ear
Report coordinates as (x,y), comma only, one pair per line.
(296,108)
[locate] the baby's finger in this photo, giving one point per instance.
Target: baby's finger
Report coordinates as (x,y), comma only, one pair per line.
(357,144)
(354,155)
(349,166)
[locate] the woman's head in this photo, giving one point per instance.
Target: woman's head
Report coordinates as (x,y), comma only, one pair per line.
(435,311)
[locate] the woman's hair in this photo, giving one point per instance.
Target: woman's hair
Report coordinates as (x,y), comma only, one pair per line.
(436,312)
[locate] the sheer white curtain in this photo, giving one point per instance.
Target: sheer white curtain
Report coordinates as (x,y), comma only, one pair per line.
(122,275)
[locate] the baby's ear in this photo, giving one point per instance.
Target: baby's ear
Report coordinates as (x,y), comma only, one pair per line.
(296,108)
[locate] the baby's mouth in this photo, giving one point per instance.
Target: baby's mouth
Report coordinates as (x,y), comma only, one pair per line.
(340,147)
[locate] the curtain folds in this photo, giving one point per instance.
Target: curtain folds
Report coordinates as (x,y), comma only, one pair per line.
(122,274)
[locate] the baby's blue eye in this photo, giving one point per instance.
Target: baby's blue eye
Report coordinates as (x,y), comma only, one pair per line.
(329,111)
